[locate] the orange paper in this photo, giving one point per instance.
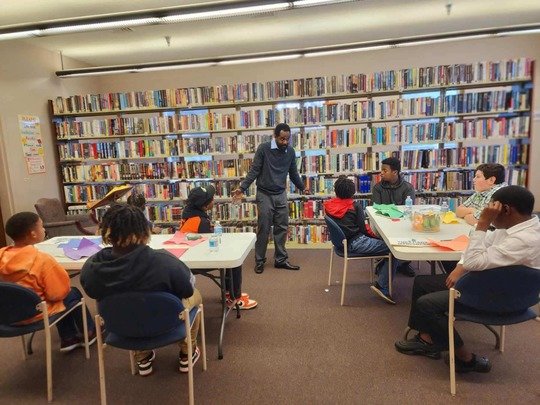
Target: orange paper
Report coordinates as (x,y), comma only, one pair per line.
(458,244)
(180,238)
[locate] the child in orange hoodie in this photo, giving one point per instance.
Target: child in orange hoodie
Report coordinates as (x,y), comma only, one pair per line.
(25,265)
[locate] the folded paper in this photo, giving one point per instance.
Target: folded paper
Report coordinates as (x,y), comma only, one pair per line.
(450,218)
(389,210)
(180,238)
(80,248)
(458,244)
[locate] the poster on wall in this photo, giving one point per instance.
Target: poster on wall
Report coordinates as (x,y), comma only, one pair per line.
(32,143)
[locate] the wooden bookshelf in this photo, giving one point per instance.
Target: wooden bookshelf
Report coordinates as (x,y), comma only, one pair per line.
(440,121)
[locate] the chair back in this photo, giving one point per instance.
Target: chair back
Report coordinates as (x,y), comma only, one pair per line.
(336,233)
(502,290)
(50,210)
(17,303)
(141,314)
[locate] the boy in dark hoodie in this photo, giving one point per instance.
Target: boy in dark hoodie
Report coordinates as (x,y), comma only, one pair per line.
(392,189)
(38,271)
(349,215)
(130,265)
(195,219)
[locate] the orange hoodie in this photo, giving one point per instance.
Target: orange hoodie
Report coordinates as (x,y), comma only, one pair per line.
(37,271)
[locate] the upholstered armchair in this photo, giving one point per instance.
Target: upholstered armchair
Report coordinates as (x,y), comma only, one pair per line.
(57,223)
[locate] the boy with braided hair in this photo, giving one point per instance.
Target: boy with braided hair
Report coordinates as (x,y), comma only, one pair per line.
(349,215)
(130,265)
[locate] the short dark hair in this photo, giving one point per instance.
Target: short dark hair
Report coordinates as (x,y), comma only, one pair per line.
(521,199)
(281,127)
(20,224)
(124,225)
(492,170)
(344,187)
(393,162)
(137,200)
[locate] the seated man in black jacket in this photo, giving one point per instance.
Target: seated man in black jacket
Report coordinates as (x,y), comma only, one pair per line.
(130,265)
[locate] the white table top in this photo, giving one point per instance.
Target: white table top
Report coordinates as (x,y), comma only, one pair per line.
(233,250)
(389,229)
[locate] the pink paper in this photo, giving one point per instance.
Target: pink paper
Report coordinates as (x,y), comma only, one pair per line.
(179,238)
(458,244)
(176,251)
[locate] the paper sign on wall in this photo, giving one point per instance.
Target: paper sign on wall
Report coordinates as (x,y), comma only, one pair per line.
(32,143)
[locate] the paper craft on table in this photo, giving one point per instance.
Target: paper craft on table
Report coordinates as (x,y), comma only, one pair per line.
(75,242)
(409,242)
(84,248)
(389,210)
(180,238)
(176,251)
(450,218)
(458,244)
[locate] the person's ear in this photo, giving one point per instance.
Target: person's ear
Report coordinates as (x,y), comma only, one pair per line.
(491,180)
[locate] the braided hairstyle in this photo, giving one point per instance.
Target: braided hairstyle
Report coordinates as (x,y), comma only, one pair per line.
(124,225)
(344,187)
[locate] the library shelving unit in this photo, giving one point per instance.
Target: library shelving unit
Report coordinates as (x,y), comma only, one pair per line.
(440,121)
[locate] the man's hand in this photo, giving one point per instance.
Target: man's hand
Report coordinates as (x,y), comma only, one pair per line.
(237,195)
(488,215)
(453,277)
(470,219)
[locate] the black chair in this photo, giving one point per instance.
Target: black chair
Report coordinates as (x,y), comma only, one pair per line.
(502,296)
(18,304)
(339,247)
(146,321)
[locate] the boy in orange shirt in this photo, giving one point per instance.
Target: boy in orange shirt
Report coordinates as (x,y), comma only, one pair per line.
(25,265)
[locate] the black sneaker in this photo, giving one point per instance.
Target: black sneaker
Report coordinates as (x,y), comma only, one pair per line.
(145,365)
(183,360)
(477,364)
(416,346)
(379,291)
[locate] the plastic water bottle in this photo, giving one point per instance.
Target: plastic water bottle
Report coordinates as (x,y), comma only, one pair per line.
(213,243)
(408,207)
(444,208)
(218,231)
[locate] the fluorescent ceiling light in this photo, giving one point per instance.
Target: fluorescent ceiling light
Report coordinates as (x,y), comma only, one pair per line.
(308,3)
(174,67)
(260,59)
(231,12)
(524,32)
(99,26)
(101,73)
(18,35)
(348,50)
(441,40)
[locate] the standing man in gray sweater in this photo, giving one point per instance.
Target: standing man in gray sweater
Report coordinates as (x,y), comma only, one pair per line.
(273,161)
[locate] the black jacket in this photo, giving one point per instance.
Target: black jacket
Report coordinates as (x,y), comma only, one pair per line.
(387,193)
(143,269)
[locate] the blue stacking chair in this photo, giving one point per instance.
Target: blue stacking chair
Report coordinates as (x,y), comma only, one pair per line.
(18,304)
(339,247)
(499,297)
(146,321)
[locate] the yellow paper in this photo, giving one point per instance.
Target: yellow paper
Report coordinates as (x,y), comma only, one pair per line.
(450,218)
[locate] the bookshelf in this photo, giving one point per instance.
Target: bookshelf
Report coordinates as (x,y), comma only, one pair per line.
(440,121)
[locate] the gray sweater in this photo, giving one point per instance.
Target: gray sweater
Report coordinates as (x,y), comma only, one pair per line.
(387,193)
(270,169)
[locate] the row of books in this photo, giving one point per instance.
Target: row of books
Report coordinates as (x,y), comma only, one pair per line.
(396,80)
(470,156)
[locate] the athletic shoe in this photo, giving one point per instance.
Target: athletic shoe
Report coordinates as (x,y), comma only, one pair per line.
(183,360)
(243,303)
(419,347)
(68,345)
(145,365)
(228,295)
(379,291)
(477,364)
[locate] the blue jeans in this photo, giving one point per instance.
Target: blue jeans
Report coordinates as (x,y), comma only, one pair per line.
(365,245)
(71,326)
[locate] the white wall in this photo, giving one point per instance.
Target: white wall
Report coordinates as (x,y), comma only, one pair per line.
(27,81)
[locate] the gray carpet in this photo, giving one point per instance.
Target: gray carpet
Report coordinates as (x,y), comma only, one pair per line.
(298,347)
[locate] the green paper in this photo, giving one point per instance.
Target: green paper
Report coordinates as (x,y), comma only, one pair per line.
(389,210)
